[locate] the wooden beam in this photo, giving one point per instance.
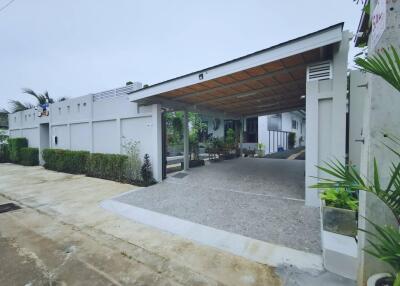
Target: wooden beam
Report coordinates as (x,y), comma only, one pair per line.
(241,82)
(243,94)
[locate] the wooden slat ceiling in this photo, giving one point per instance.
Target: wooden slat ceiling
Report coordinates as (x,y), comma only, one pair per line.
(267,88)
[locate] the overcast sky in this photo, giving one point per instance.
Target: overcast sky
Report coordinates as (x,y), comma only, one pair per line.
(72,48)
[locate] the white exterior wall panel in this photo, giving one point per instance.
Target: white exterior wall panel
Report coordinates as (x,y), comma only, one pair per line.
(80,136)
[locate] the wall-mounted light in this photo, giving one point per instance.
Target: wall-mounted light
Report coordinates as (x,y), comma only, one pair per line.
(302,97)
(201,76)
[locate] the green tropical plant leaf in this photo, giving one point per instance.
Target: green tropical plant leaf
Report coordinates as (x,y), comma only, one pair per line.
(383,64)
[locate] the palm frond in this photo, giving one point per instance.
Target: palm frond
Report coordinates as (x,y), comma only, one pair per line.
(383,64)
(19,106)
(384,244)
(40,97)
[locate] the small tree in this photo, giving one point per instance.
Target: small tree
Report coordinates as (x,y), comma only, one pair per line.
(133,164)
(146,171)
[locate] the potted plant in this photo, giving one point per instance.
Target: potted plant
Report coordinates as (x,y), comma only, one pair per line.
(339,211)
(260,150)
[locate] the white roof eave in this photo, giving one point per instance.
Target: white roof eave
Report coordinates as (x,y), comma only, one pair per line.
(316,40)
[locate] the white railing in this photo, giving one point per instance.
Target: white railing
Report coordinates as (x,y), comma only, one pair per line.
(122,91)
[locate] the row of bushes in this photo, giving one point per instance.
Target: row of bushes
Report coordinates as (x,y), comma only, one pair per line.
(18,152)
(105,166)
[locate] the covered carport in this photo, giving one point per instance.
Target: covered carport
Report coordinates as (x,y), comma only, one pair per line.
(307,73)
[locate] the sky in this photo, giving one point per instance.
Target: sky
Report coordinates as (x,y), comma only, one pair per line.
(72,48)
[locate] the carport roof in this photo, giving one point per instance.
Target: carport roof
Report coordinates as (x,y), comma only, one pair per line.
(268,81)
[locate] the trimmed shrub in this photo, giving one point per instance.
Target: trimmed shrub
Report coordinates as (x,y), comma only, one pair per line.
(73,162)
(146,171)
(4,153)
(108,166)
(14,148)
(29,156)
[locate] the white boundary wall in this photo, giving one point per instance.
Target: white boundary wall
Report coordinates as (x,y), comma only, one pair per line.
(99,123)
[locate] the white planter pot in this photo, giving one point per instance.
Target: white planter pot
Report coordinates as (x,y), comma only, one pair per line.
(374,278)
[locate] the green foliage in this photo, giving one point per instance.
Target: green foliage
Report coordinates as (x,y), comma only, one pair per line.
(3,136)
(230,138)
(385,245)
(41,98)
(383,64)
(29,156)
(146,171)
(174,125)
(73,162)
(4,153)
(340,198)
(291,140)
(260,150)
(15,145)
(133,162)
(19,106)
(107,166)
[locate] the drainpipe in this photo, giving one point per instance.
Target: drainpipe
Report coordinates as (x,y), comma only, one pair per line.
(185,141)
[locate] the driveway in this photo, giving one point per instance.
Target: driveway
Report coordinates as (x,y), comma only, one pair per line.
(256,198)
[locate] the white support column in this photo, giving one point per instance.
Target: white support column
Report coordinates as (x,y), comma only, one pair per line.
(326,120)
(156,156)
(185,141)
(242,123)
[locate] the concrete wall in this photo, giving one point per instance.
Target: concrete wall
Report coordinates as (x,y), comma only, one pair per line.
(381,113)
(326,119)
(100,122)
(358,96)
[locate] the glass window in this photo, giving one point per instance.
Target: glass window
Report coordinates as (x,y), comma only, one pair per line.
(294,124)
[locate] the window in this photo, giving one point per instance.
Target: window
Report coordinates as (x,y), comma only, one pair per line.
(275,122)
(26,118)
(68,108)
(79,107)
(294,124)
(84,104)
(251,130)
(59,110)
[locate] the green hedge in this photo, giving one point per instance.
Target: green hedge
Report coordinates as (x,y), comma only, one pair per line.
(73,162)
(15,145)
(107,166)
(4,153)
(29,156)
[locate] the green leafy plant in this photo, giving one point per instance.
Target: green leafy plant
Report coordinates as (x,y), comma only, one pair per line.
(4,153)
(340,198)
(29,156)
(133,163)
(107,166)
(146,171)
(384,64)
(73,162)
(15,145)
(260,150)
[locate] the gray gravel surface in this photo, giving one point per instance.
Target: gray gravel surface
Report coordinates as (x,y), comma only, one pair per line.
(253,197)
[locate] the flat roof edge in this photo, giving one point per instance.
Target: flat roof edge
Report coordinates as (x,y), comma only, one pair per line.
(326,36)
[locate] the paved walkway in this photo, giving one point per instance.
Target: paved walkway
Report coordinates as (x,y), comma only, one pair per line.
(253,197)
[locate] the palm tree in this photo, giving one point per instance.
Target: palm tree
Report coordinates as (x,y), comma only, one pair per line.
(16,105)
(41,98)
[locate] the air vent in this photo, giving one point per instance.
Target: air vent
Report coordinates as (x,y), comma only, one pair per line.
(319,71)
